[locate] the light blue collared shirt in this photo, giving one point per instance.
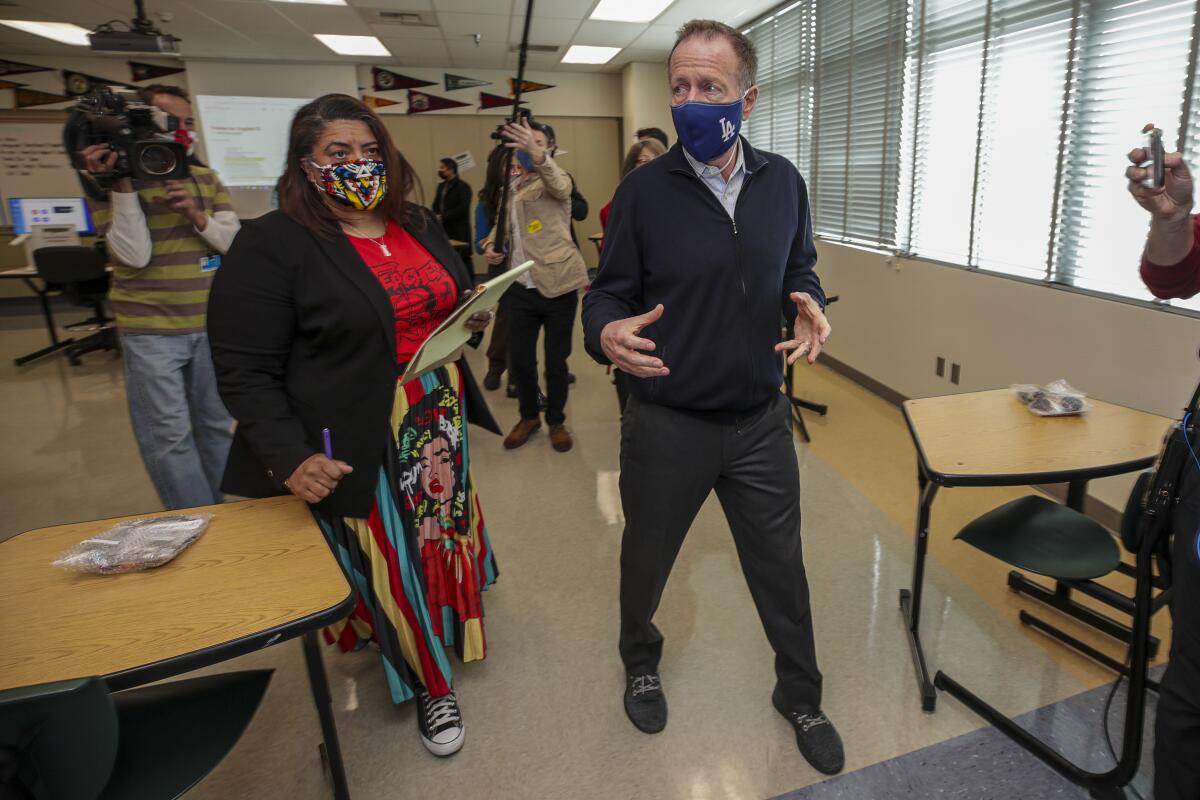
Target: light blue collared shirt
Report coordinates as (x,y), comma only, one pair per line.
(726,191)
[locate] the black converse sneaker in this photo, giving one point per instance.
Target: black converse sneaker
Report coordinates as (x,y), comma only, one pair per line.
(440,723)
(645,703)
(816,737)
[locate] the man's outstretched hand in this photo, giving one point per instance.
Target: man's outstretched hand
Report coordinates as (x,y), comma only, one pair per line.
(627,350)
(809,332)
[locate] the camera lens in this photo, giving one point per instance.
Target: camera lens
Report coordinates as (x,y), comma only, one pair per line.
(157,159)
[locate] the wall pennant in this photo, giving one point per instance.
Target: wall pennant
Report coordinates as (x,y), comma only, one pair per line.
(493,101)
(453,82)
(419,101)
(148,72)
(78,84)
(386,80)
(527,86)
(378,102)
(17,68)
(29,97)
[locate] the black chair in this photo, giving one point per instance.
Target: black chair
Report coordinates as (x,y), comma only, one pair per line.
(76,741)
(79,273)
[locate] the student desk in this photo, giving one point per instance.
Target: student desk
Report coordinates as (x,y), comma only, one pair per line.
(262,573)
(991,439)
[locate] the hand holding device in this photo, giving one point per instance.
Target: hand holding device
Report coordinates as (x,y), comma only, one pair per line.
(1171,199)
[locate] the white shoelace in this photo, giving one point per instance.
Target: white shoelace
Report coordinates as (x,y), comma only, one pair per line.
(807,721)
(645,683)
(441,711)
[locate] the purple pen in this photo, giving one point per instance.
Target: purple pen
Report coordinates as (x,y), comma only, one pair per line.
(328,443)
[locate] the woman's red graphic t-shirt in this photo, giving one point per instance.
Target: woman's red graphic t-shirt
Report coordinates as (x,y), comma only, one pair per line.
(422,292)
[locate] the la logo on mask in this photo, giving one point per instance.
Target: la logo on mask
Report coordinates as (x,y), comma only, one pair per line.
(727,130)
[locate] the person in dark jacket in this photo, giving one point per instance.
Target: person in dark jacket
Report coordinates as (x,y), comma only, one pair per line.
(317,310)
(1171,268)
(706,247)
(452,207)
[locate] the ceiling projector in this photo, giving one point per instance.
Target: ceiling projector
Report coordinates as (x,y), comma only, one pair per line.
(139,36)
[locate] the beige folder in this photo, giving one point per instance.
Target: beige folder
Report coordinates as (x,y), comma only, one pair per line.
(445,344)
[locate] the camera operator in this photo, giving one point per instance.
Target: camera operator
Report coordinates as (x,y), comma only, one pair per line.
(539,219)
(1171,268)
(168,237)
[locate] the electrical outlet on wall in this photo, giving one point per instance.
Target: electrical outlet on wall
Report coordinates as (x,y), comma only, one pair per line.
(955,373)
(941,367)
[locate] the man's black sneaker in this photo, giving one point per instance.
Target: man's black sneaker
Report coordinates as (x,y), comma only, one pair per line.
(816,737)
(491,381)
(440,723)
(645,703)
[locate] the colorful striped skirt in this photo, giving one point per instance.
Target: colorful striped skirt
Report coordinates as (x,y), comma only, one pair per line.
(422,559)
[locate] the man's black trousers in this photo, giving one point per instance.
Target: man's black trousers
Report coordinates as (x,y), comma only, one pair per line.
(528,313)
(670,461)
(1177,728)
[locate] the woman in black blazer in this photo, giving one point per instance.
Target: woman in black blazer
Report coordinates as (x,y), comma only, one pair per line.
(312,318)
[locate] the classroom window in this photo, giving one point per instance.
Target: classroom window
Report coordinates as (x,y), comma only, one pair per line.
(986,133)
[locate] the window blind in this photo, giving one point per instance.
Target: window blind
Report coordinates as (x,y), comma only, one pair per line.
(987,133)
(859,70)
(1132,67)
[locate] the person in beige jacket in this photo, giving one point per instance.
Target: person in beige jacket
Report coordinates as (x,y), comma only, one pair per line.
(546,297)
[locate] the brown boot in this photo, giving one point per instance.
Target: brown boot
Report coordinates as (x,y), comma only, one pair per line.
(521,433)
(560,438)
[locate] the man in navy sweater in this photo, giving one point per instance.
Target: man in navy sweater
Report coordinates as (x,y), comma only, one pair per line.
(707,247)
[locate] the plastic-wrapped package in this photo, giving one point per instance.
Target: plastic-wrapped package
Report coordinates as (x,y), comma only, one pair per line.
(1057,399)
(135,545)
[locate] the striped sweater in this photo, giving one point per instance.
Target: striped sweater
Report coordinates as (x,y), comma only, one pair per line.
(160,285)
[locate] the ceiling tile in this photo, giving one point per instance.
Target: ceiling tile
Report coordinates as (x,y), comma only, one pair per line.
(608,34)
(325,19)
(384,31)
(417,52)
(247,17)
(656,37)
(542,31)
(456,24)
(471,6)
(485,56)
(395,5)
(564,9)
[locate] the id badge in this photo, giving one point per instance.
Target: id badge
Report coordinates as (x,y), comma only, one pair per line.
(210,263)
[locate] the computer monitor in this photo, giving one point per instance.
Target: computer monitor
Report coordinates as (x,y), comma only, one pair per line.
(27,211)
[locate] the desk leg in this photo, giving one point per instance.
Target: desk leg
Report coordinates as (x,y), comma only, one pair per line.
(910,601)
(324,703)
(48,316)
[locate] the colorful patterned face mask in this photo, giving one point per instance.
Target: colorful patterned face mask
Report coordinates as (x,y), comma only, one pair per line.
(359,184)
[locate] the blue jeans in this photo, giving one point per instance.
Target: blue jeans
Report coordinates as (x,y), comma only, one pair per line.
(179,421)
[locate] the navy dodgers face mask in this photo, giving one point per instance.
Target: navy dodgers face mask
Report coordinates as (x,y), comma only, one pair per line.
(708,129)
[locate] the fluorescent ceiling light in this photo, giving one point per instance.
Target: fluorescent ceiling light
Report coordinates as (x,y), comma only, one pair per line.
(316,2)
(353,45)
(629,10)
(586,54)
(63,32)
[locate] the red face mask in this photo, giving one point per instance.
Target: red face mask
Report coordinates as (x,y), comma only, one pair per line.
(186,138)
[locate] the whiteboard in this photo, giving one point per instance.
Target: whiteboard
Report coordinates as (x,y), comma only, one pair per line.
(245,138)
(33,163)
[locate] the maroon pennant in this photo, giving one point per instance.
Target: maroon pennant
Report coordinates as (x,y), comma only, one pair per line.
(420,101)
(386,80)
(17,68)
(148,72)
(493,100)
